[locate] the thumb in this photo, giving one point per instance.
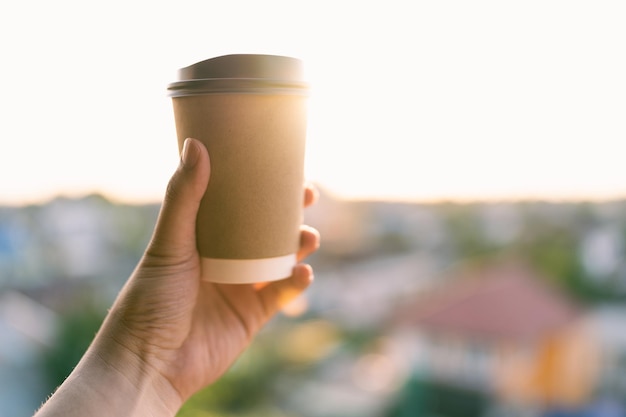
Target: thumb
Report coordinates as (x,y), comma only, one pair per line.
(175,231)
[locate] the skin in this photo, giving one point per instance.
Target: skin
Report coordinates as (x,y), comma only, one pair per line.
(169,334)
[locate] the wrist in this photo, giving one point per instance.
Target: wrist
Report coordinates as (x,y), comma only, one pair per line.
(128,372)
(112,380)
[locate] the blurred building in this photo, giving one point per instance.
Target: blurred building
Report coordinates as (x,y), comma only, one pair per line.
(500,332)
(609,325)
(26,329)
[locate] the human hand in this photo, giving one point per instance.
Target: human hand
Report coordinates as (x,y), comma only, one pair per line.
(169,333)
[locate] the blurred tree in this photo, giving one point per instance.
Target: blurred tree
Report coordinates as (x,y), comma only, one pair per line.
(245,390)
(76,331)
(465,231)
(552,247)
(422,397)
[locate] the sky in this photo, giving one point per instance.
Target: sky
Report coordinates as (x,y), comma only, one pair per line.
(412,100)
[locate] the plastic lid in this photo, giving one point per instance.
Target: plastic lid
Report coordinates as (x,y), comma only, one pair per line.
(242,73)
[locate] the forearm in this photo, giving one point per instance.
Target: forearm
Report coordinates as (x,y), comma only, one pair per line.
(110,380)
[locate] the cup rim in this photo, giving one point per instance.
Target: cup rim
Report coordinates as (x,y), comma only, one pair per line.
(237,86)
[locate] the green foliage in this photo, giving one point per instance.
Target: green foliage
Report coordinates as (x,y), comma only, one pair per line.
(394,242)
(75,333)
(246,389)
(465,231)
(554,250)
(428,398)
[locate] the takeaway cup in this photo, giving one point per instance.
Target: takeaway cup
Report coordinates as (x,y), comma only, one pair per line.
(250,113)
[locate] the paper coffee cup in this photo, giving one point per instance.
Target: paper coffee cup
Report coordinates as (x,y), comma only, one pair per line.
(250,113)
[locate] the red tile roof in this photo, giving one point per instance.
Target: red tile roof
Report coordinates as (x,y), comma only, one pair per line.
(499,301)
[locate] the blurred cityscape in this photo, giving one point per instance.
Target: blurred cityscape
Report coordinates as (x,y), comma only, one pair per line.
(441,309)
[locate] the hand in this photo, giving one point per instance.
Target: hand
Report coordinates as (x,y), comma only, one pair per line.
(170,334)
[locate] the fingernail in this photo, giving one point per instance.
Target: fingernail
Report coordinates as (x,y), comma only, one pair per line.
(189,154)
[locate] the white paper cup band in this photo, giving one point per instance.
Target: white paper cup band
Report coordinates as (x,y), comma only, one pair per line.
(245,271)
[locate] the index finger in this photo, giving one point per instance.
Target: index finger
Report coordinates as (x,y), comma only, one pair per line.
(310,194)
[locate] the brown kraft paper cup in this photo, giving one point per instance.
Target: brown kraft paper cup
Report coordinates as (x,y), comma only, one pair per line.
(250,113)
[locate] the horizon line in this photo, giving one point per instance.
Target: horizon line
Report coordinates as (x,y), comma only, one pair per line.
(328,193)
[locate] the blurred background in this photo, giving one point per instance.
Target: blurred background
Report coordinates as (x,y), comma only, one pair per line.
(472,209)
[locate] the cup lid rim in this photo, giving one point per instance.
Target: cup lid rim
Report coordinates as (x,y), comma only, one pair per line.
(236,85)
(241,73)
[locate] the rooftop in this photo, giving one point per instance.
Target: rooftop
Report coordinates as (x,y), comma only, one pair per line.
(497,301)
